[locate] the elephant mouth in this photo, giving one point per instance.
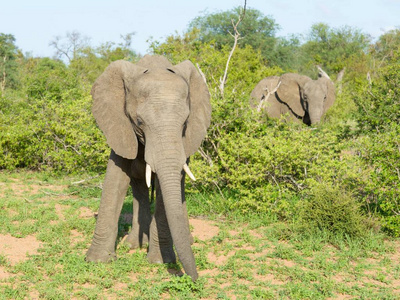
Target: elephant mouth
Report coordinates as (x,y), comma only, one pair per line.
(185,168)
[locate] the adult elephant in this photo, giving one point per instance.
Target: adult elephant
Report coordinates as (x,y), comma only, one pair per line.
(154,116)
(295,95)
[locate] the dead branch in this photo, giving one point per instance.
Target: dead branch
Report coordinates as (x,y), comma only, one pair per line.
(201,73)
(260,105)
(322,73)
(369,78)
(236,37)
(339,79)
(84,180)
(341,75)
(205,156)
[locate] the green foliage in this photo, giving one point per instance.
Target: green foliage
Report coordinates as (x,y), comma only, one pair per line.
(8,62)
(52,127)
(379,102)
(246,67)
(334,210)
(50,79)
(387,45)
(333,47)
(256,29)
(60,136)
(381,154)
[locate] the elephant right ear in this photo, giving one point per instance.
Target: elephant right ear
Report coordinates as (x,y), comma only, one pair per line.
(200,106)
(108,108)
(289,91)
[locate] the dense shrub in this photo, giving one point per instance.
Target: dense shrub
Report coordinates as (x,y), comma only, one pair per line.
(49,135)
(379,143)
(52,127)
(333,210)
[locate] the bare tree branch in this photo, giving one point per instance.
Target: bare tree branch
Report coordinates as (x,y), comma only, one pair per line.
(74,42)
(201,73)
(236,37)
(322,73)
(269,93)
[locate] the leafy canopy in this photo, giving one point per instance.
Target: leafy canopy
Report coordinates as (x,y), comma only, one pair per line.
(8,63)
(256,30)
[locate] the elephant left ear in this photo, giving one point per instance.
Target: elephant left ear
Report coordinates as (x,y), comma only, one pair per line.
(200,107)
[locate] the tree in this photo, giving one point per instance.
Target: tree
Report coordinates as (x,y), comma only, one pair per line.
(333,47)
(8,64)
(70,45)
(255,30)
(385,47)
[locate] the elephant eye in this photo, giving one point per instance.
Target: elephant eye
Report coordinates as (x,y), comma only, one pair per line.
(139,121)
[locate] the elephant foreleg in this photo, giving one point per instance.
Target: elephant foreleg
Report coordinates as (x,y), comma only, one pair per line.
(115,186)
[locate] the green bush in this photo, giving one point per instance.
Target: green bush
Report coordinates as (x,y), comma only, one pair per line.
(334,210)
(52,127)
(49,135)
(381,155)
(379,118)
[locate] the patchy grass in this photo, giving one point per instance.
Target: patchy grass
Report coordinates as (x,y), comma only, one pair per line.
(47,224)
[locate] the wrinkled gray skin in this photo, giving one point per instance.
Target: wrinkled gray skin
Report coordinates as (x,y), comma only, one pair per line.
(156,113)
(301,98)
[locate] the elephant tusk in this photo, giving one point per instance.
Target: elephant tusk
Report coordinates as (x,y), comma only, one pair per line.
(187,170)
(148,175)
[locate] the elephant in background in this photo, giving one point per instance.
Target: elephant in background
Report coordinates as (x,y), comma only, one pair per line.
(303,99)
(154,116)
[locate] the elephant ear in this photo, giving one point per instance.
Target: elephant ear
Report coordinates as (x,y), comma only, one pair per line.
(108,108)
(200,107)
(330,95)
(290,91)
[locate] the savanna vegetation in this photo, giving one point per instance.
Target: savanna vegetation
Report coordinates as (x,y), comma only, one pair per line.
(338,181)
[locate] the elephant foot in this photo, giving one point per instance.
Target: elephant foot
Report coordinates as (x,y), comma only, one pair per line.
(100,255)
(161,255)
(134,241)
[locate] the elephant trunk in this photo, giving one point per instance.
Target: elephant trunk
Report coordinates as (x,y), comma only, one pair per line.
(315,119)
(168,162)
(315,114)
(170,183)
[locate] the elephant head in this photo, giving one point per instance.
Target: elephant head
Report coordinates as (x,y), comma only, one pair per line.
(307,98)
(167,109)
(299,95)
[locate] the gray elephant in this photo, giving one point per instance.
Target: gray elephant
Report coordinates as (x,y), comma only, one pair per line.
(154,116)
(298,96)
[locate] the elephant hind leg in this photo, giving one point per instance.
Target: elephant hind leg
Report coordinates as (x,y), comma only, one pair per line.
(139,235)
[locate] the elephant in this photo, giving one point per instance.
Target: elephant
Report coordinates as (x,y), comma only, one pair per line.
(154,116)
(296,96)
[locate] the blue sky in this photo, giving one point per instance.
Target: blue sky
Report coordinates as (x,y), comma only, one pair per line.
(35,23)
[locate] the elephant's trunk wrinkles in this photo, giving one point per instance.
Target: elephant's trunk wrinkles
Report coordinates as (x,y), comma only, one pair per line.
(171,190)
(169,173)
